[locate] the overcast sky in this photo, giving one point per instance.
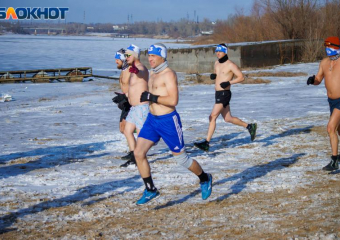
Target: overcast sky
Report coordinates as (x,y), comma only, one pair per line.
(114,11)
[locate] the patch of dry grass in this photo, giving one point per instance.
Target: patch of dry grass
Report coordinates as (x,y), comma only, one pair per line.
(250,78)
(205,79)
(276,74)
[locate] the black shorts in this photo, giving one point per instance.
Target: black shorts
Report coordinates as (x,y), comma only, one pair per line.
(223,97)
(125,111)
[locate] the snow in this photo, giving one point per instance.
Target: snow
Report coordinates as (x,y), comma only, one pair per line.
(61,146)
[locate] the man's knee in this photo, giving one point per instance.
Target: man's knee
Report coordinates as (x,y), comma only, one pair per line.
(128,131)
(184,160)
(228,119)
(212,117)
(331,128)
(139,155)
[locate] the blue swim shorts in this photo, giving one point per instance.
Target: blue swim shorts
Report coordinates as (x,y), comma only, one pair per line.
(168,127)
(333,103)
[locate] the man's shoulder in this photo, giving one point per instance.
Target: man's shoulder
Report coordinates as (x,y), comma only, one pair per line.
(168,72)
(140,65)
(324,62)
(171,74)
(166,75)
(230,62)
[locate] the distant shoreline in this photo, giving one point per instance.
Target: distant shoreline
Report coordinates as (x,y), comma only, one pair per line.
(106,35)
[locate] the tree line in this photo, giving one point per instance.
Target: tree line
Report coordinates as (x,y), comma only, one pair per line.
(182,28)
(309,20)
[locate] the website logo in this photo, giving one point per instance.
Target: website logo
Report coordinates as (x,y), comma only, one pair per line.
(35,13)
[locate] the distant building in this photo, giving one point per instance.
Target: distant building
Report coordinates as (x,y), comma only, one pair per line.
(118,28)
(207,32)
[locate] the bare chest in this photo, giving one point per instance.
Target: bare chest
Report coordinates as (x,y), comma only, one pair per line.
(134,80)
(332,71)
(223,73)
(157,83)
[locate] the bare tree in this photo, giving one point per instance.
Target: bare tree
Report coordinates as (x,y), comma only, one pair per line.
(293,16)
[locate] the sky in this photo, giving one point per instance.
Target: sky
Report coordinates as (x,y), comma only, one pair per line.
(113,11)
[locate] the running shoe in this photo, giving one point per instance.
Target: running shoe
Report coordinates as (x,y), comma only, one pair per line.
(148,196)
(206,187)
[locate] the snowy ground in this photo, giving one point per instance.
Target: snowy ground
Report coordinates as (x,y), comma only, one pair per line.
(60,150)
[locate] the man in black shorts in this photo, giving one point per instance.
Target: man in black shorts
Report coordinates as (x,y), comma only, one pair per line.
(121,99)
(224,73)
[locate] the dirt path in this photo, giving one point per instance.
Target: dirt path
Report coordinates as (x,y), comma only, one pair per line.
(309,212)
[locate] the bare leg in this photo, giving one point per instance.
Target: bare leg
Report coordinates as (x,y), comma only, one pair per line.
(212,120)
(205,179)
(128,132)
(332,129)
(195,166)
(142,148)
(122,126)
(229,118)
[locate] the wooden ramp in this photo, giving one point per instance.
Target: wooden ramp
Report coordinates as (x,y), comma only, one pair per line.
(47,75)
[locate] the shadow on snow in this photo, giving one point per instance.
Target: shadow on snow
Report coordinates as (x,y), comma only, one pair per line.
(243,178)
(50,157)
(80,195)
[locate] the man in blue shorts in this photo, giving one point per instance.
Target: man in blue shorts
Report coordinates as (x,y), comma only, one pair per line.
(329,70)
(164,122)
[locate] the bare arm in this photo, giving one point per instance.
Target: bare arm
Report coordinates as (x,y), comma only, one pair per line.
(171,85)
(142,71)
(320,75)
(237,72)
(121,80)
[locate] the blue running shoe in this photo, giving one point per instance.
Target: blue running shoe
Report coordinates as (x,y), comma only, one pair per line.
(206,187)
(147,196)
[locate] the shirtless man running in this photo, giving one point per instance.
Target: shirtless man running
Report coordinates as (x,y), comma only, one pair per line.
(329,70)
(224,73)
(164,122)
(121,99)
(138,83)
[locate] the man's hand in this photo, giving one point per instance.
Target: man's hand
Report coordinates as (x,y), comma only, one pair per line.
(147,96)
(122,104)
(120,97)
(311,80)
(133,69)
(225,84)
(213,76)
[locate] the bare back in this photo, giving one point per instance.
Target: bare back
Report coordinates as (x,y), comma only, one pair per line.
(138,83)
(225,72)
(330,71)
(164,84)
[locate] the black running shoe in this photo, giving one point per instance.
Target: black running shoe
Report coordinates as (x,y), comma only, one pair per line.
(128,163)
(128,156)
(204,145)
(252,131)
(333,165)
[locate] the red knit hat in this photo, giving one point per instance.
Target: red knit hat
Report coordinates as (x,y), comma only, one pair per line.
(332,42)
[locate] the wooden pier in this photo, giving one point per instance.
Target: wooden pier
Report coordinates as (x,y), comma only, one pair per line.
(46,75)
